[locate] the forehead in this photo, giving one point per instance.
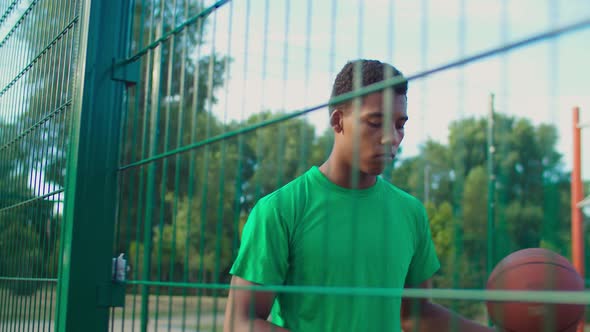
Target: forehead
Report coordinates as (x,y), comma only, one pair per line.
(378,103)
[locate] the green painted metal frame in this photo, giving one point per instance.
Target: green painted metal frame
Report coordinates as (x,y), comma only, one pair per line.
(491,202)
(85,287)
(36,47)
(91,184)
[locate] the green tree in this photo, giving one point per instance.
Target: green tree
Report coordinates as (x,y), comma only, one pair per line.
(22,257)
(532,196)
(441,224)
(34,136)
(431,167)
(171,116)
(197,237)
(26,221)
(475,222)
(282,152)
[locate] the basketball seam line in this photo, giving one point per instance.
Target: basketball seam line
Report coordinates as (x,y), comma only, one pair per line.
(530,263)
(547,263)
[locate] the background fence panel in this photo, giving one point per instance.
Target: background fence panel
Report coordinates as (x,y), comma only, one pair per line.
(151,128)
(38,53)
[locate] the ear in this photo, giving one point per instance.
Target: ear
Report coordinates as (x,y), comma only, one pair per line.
(336,121)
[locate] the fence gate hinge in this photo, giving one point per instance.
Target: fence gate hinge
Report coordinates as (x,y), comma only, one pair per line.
(112,294)
(127,73)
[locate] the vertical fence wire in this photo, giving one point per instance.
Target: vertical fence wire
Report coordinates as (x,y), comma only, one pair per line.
(37,48)
(193,167)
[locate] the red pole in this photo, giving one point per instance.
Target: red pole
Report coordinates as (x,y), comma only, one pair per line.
(577,196)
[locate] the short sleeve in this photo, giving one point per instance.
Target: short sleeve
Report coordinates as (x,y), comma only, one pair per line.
(264,250)
(425,260)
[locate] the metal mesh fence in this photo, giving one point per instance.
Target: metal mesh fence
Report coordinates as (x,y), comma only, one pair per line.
(223,103)
(37,49)
(227,111)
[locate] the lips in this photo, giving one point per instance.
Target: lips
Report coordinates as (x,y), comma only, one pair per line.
(385,156)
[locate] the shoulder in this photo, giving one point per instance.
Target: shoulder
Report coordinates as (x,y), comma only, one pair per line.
(287,198)
(280,209)
(409,210)
(403,198)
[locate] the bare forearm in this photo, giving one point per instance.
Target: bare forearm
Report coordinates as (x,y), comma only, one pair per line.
(246,311)
(433,317)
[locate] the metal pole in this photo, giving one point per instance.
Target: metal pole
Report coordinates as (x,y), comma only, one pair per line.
(577,196)
(426,200)
(491,188)
(426,183)
(85,288)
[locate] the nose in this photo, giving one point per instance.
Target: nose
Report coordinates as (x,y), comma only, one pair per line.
(391,137)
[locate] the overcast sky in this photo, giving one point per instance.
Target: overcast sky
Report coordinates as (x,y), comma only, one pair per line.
(287,53)
(288,60)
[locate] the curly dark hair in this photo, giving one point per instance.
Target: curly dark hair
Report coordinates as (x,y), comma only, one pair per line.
(372,71)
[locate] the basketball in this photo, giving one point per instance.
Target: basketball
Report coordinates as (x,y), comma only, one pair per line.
(535,269)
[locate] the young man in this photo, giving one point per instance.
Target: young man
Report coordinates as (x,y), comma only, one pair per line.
(342,227)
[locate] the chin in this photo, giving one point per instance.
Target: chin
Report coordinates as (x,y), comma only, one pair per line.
(378,172)
(374,170)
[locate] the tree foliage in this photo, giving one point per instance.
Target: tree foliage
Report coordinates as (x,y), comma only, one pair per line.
(531,196)
(189,208)
(198,236)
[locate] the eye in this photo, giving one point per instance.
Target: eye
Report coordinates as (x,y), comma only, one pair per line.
(374,124)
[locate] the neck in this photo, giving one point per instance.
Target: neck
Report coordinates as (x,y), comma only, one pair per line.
(341,173)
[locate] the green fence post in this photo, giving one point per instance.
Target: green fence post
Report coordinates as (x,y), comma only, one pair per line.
(91,180)
(491,203)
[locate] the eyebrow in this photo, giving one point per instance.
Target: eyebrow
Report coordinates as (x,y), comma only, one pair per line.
(380,115)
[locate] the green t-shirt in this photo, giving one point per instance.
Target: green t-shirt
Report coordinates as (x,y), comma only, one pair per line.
(312,232)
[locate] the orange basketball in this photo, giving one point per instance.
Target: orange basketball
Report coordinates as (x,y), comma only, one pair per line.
(535,269)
